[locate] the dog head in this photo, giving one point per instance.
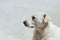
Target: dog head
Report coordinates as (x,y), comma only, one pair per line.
(36,20)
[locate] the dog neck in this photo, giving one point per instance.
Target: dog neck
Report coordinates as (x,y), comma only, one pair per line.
(41,26)
(44,26)
(40,32)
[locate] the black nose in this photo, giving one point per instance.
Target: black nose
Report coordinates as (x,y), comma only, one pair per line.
(25,23)
(33,17)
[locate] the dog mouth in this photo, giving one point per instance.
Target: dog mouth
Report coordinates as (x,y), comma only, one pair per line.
(31,26)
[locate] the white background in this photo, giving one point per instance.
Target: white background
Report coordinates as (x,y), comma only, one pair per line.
(13,12)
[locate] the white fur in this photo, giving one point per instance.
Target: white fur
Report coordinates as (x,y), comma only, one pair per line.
(52,31)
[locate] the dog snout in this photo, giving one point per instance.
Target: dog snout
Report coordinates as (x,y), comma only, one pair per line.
(25,23)
(33,17)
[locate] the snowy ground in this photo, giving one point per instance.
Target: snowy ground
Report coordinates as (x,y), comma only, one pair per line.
(13,12)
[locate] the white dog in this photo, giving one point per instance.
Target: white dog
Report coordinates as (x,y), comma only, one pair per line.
(44,27)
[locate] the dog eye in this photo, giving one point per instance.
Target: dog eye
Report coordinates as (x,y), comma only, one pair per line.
(33,17)
(44,15)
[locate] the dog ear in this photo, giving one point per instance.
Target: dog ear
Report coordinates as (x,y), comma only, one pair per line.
(46,18)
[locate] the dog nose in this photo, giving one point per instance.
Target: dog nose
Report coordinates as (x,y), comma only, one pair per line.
(25,23)
(33,17)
